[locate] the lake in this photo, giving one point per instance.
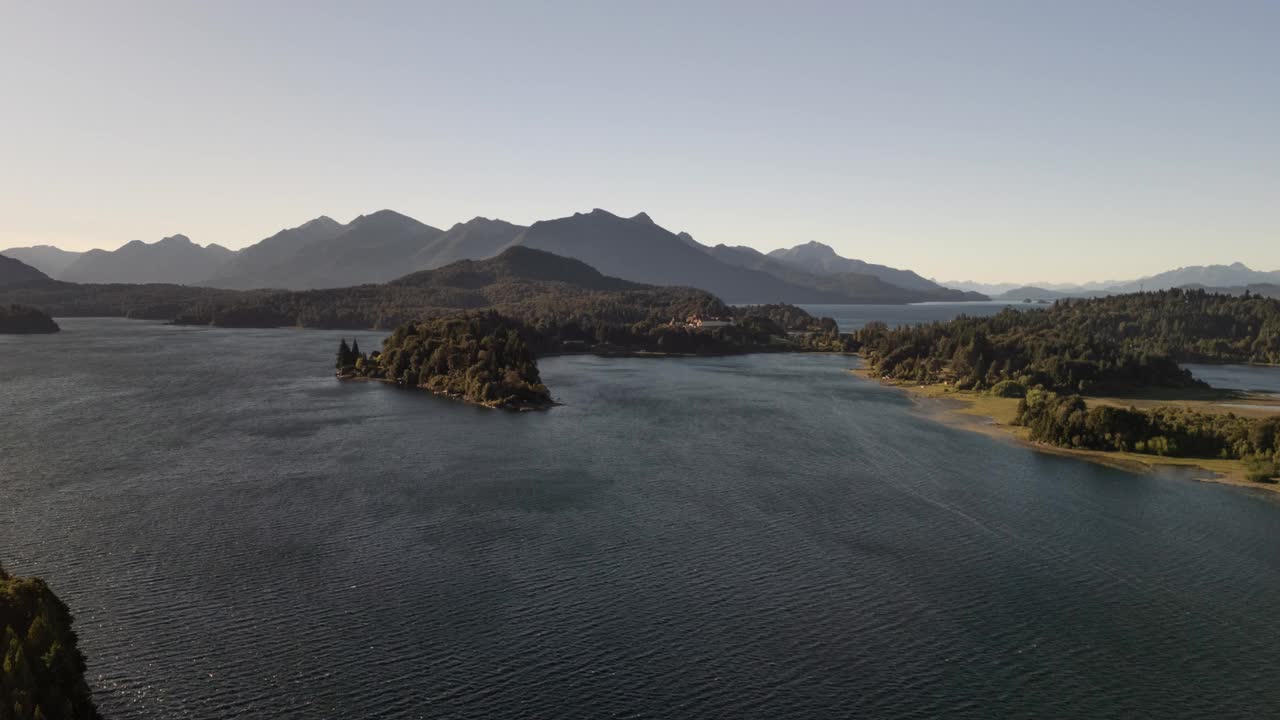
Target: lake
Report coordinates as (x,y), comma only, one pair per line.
(852,317)
(1253,378)
(761,536)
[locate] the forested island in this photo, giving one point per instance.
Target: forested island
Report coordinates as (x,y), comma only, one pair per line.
(23,320)
(488,358)
(43,670)
(481,358)
(1126,346)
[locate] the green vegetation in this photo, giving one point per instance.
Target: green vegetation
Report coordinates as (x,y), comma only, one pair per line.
(20,319)
(1107,344)
(1067,421)
(482,358)
(43,671)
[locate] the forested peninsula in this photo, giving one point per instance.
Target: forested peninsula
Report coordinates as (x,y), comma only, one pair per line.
(43,670)
(1068,374)
(23,320)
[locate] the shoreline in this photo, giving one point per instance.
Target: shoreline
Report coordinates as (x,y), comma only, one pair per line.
(992,416)
(530,407)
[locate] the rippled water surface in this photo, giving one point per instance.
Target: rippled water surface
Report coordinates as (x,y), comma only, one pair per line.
(752,537)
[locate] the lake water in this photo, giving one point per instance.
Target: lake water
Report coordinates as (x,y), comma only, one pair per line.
(1255,378)
(852,317)
(241,535)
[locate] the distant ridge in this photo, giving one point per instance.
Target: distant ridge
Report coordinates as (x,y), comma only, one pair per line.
(475,239)
(1233,275)
(16,274)
(265,263)
(371,248)
(820,259)
(46,258)
(175,259)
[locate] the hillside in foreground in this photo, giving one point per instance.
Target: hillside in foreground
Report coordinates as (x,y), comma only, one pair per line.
(43,670)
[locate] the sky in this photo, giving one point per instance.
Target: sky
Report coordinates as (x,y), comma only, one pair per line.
(988,141)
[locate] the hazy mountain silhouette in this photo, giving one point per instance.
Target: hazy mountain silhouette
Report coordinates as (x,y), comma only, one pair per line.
(372,248)
(16,274)
(475,239)
(854,287)
(1234,275)
(174,259)
(1032,292)
(820,259)
(266,263)
(637,249)
(46,258)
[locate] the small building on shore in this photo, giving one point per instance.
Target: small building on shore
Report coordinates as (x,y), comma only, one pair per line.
(702,322)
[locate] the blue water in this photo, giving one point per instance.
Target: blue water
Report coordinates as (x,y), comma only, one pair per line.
(768,536)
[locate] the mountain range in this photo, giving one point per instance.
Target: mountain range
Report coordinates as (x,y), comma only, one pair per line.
(1236,276)
(174,259)
(385,245)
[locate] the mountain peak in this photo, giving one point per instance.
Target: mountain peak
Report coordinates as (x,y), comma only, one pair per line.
(322,221)
(643,217)
(178,239)
(815,246)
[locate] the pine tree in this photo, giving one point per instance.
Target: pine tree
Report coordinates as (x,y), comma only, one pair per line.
(344,354)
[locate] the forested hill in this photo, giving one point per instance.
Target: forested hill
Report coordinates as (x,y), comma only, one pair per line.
(532,285)
(21,320)
(17,274)
(43,670)
(518,264)
(1114,342)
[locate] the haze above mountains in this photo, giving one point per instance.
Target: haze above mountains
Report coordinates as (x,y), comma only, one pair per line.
(385,245)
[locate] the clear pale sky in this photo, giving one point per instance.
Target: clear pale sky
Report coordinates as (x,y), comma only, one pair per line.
(1056,141)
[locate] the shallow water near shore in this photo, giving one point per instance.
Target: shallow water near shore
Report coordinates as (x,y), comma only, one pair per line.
(752,537)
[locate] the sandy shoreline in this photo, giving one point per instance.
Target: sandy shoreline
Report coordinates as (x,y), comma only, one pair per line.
(992,416)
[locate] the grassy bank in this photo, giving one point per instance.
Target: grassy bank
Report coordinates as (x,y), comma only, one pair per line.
(991,415)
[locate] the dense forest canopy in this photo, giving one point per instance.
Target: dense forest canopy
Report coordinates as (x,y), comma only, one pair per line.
(20,319)
(1067,421)
(43,670)
(1082,346)
(479,357)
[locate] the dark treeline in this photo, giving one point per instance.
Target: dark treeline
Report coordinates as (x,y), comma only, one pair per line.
(23,320)
(140,302)
(43,670)
(1067,421)
(481,357)
(1082,346)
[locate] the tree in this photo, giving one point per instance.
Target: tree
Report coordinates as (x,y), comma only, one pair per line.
(344,355)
